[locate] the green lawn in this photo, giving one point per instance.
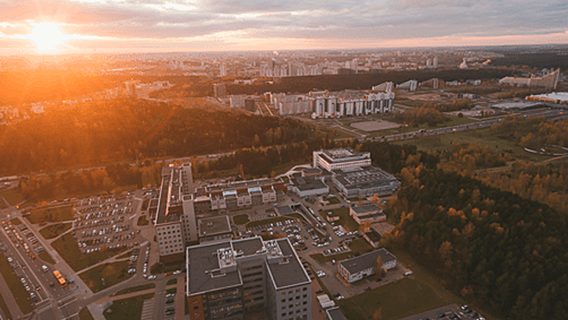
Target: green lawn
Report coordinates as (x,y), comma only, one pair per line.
(52,214)
(482,137)
(46,257)
(12,195)
(392,301)
(67,247)
(13,282)
(130,308)
(84,314)
(106,275)
(136,288)
(55,230)
(171,281)
(172,290)
(359,246)
(344,218)
(338,257)
(241,219)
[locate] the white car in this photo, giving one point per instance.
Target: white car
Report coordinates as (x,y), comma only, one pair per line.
(177,272)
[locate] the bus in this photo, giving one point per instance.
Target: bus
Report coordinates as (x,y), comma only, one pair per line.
(60,279)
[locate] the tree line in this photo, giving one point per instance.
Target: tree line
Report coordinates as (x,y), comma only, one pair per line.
(118,131)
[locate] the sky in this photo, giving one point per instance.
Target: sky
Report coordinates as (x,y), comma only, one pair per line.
(96,26)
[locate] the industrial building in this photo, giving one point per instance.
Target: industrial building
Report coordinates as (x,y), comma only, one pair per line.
(365,265)
(364,182)
(226,279)
(175,222)
(342,158)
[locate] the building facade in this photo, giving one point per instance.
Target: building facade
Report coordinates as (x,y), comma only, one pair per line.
(365,265)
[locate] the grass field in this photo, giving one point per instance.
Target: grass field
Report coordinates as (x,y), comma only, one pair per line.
(452,121)
(13,281)
(130,308)
(54,214)
(482,137)
(4,308)
(55,230)
(46,257)
(392,301)
(136,288)
(241,219)
(359,246)
(143,221)
(12,195)
(69,250)
(171,281)
(106,275)
(266,221)
(84,314)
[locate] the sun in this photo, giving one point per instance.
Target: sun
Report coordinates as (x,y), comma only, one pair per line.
(47,37)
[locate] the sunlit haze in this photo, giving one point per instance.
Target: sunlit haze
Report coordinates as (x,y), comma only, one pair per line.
(197,25)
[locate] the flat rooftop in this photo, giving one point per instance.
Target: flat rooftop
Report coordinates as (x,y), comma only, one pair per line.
(365,208)
(213,226)
(367,177)
(290,272)
(367,260)
(307,183)
(175,186)
(203,260)
(215,266)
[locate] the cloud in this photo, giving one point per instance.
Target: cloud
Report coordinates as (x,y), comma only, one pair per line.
(283,22)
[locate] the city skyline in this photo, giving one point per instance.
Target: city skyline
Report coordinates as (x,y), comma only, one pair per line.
(99,26)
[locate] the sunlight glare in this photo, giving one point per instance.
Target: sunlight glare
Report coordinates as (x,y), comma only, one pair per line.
(47,37)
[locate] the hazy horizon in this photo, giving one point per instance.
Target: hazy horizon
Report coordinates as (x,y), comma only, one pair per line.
(139,26)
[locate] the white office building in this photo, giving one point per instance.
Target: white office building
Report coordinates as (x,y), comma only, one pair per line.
(340,159)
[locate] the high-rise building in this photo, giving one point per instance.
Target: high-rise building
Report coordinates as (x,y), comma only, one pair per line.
(175,224)
(225,279)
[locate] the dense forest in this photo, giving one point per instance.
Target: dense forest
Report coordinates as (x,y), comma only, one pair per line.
(489,245)
(361,81)
(537,60)
(131,130)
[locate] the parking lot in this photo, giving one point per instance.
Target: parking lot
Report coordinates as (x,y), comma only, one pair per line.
(449,312)
(103,222)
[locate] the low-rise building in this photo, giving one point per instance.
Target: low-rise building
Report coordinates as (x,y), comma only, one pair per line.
(341,158)
(237,194)
(308,186)
(226,279)
(367,213)
(365,265)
